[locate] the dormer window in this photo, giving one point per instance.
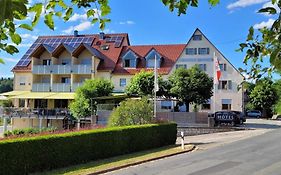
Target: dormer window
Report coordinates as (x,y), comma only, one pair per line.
(150,59)
(130,60)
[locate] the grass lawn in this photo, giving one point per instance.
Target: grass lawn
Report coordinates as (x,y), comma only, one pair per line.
(111,163)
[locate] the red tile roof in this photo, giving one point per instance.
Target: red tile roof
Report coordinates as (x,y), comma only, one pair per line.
(170,54)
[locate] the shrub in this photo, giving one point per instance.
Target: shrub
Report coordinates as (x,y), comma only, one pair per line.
(42,153)
(132,112)
(27,131)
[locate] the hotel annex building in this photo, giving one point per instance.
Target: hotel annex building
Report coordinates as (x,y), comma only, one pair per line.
(54,66)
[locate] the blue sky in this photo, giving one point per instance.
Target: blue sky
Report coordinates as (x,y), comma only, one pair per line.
(150,22)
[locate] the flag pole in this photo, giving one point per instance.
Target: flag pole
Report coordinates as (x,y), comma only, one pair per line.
(214,81)
(155,86)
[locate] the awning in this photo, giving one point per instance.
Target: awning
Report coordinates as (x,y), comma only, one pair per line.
(33,95)
(13,93)
(45,95)
(62,95)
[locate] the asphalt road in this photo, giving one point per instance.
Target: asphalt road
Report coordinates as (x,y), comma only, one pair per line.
(258,155)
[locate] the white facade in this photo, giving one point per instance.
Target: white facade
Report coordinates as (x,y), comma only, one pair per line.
(227,95)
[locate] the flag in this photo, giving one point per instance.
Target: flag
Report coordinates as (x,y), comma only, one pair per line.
(217,71)
(156,86)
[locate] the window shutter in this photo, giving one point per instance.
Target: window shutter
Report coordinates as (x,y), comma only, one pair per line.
(205,67)
(229,84)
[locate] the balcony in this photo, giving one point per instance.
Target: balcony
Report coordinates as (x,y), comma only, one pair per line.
(41,87)
(61,87)
(62,69)
(75,86)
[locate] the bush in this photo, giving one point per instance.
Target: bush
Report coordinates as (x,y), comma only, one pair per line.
(27,131)
(42,153)
(132,112)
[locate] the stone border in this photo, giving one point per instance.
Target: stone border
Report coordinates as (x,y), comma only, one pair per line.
(144,161)
(191,131)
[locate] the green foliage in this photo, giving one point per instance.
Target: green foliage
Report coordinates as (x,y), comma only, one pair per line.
(264,96)
(191,85)
(27,131)
(6,85)
(132,112)
(81,107)
(13,14)
(142,84)
(42,153)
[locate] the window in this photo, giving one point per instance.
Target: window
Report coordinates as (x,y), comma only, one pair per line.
(40,103)
(65,80)
(123,82)
(47,62)
(166,105)
(207,105)
(226,104)
(203,67)
(203,51)
(191,51)
(150,59)
(66,61)
(197,37)
(223,67)
(61,103)
(180,65)
(127,63)
(86,61)
(22,81)
(21,103)
(225,85)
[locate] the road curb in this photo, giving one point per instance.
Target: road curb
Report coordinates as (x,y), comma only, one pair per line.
(141,162)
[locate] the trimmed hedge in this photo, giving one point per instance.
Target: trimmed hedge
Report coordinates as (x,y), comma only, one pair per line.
(42,153)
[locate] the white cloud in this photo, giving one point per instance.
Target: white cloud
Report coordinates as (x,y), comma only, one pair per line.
(77,16)
(28,36)
(244,3)
(127,22)
(80,27)
(263,24)
(13,60)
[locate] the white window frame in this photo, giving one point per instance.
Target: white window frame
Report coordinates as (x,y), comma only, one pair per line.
(181,65)
(203,67)
(121,82)
(223,67)
(204,51)
(191,51)
(197,37)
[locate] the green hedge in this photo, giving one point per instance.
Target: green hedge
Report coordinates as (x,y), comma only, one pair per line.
(41,153)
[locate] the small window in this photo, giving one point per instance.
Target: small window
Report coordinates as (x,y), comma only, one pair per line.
(191,51)
(203,67)
(225,85)
(203,51)
(226,107)
(166,105)
(197,37)
(22,81)
(123,82)
(127,63)
(21,103)
(65,80)
(180,65)
(226,104)
(47,62)
(223,67)
(206,106)
(66,61)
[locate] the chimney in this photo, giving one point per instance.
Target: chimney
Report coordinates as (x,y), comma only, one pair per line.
(101,36)
(75,33)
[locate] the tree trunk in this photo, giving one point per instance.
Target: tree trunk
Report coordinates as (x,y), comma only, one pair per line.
(187,106)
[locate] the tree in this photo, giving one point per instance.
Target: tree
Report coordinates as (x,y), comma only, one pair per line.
(191,86)
(277,87)
(6,84)
(142,84)
(132,112)
(81,107)
(264,96)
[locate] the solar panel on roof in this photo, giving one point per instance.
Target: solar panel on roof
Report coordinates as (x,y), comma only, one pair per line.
(53,42)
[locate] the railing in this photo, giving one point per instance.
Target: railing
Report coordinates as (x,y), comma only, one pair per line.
(60,87)
(81,69)
(62,69)
(75,86)
(56,113)
(41,87)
